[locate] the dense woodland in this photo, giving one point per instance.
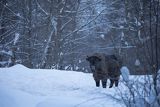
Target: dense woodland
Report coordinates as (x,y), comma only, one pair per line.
(61,33)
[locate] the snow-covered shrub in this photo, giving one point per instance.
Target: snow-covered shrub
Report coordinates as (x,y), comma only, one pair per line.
(125,73)
(138,91)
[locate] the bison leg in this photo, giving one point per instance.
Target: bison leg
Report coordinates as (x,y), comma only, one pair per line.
(111,83)
(104,84)
(116,83)
(97,83)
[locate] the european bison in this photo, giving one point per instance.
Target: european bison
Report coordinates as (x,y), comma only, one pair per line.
(104,67)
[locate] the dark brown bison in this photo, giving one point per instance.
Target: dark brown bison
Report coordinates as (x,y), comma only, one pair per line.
(104,67)
(113,72)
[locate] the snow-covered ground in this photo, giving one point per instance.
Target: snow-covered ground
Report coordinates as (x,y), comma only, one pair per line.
(24,87)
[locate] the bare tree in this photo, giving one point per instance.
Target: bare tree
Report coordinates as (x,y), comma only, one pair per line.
(142,21)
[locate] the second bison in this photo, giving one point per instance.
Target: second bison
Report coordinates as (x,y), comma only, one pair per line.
(104,67)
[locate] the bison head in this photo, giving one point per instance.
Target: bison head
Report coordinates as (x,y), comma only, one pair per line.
(94,62)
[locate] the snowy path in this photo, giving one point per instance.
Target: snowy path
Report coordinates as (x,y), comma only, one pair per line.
(23,87)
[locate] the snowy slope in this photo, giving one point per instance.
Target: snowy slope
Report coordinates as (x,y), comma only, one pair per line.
(23,87)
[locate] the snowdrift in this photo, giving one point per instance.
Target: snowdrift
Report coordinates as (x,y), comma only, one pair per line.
(24,87)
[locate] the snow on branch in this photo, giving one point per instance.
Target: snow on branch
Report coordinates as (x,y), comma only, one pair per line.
(18,15)
(46,13)
(9,53)
(76,30)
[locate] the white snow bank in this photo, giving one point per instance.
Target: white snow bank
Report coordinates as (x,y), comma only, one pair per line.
(18,67)
(6,100)
(16,98)
(23,87)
